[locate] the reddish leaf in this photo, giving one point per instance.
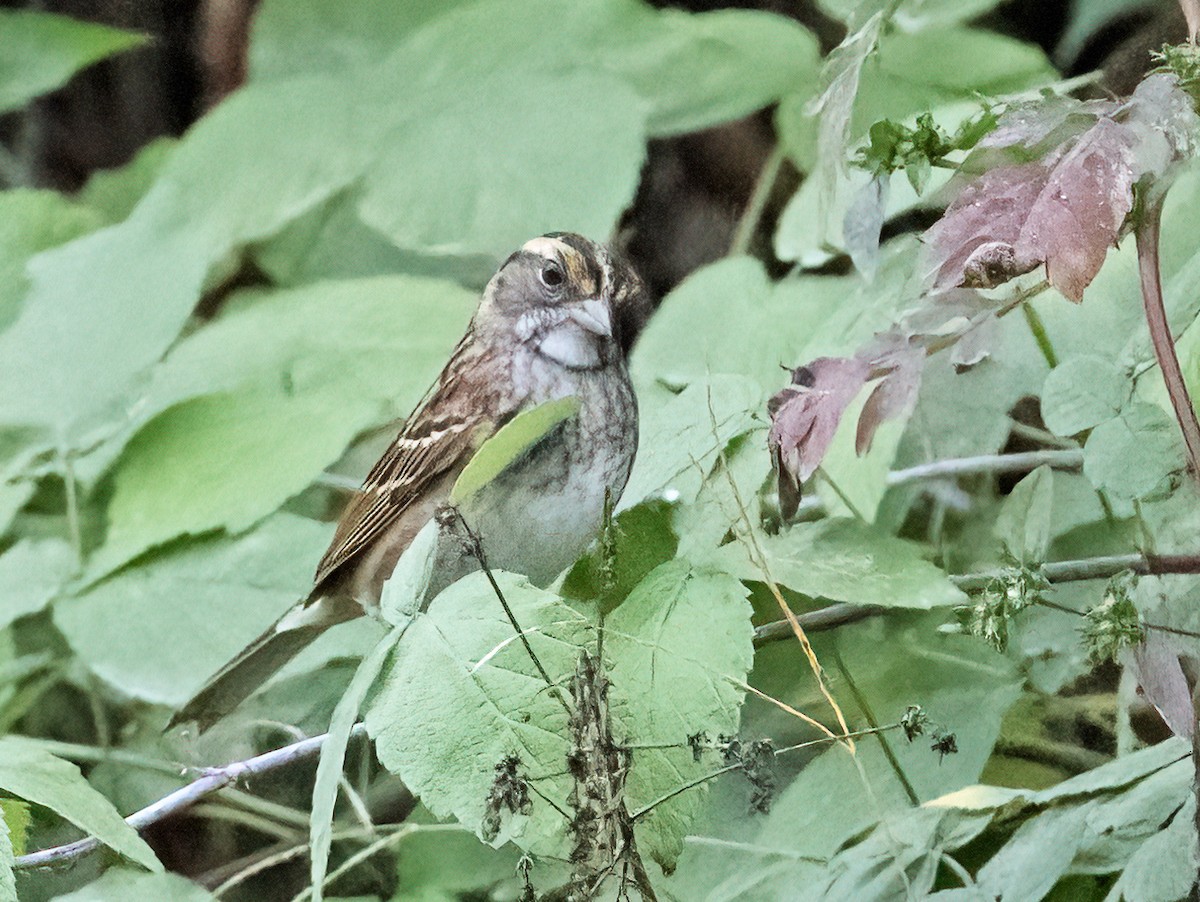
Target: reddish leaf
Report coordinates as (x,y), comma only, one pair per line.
(1077,215)
(894,395)
(805,417)
(974,243)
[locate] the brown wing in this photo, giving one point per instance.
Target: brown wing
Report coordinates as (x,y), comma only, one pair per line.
(440,436)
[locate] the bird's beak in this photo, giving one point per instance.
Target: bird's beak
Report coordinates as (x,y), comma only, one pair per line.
(593,316)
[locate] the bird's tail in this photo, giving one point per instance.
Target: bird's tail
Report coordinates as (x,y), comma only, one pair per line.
(262,658)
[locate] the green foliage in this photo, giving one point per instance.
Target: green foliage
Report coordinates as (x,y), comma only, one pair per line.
(36,776)
(42,51)
(190,343)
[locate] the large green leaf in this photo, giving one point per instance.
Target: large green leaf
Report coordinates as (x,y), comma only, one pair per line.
(271,394)
(461,694)
(31,574)
(8,880)
(845,560)
(26,770)
(42,51)
(693,71)
(158,629)
(1132,455)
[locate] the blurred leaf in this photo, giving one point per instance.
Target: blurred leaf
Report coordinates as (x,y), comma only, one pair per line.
(844,560)
(32,573)
(155,630)
(113,193)
(1082,392)
(597,128)
(1023,524)
(37,776)
(1130,456)
(692,70)
(42,51)
(510,443)
(8,880)
(32,221)
(271,394)
(443,865)
(125,885)
(1157,872)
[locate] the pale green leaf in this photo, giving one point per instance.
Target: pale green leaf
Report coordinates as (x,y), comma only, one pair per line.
(8,880)
(681,435)
(404,591)
(39,777)
(680,647)
(113,193)
(845,560)
(1083,392)
(32,573)
(42,51)
(461,694)
(1024,521)
(125,885)
(158,629)
(272,393)
(1131,456)
(1157,871)
(32,221)
(514,439)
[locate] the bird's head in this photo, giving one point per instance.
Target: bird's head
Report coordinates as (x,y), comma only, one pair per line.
(567,298)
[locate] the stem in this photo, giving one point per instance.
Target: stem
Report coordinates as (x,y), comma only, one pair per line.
(1147,233)
(865,707)
(748,224)
(476,547)
(214,780)
(1038,328)
(1025,461)
(835,615)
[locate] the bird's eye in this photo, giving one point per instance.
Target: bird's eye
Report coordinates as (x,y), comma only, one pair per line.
(552,275)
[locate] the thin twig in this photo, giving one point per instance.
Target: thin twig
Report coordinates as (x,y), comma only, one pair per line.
(1147,232)
(1025,461)
(476,548)
(214,780)
(835,615)
(748,224)
(865,706)
(760,561)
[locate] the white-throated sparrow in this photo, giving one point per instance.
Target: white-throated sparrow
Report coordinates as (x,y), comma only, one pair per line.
(550,325)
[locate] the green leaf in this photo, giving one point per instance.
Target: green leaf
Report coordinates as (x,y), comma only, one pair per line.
(1023,524)
(271,395)
(845,560)
(32,573)
(461,693)
(16,817)
(681,435)
(1157,872)
(39,777)
(680,646)
(692,71)
(446,865)
(510,443)
(42,51)
(32,221)
(333,755)
(1131,456)
(404,591)
(157,629)
(125,885)
(8,880)
(597,124)
(115,192)
(1083,392)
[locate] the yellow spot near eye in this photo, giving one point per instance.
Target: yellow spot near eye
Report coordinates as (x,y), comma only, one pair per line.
(574,262)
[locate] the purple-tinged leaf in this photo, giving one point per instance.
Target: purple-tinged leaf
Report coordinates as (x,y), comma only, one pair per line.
(893,396)
(805,416)
(974,243)
(1160,676)
(1077,215)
